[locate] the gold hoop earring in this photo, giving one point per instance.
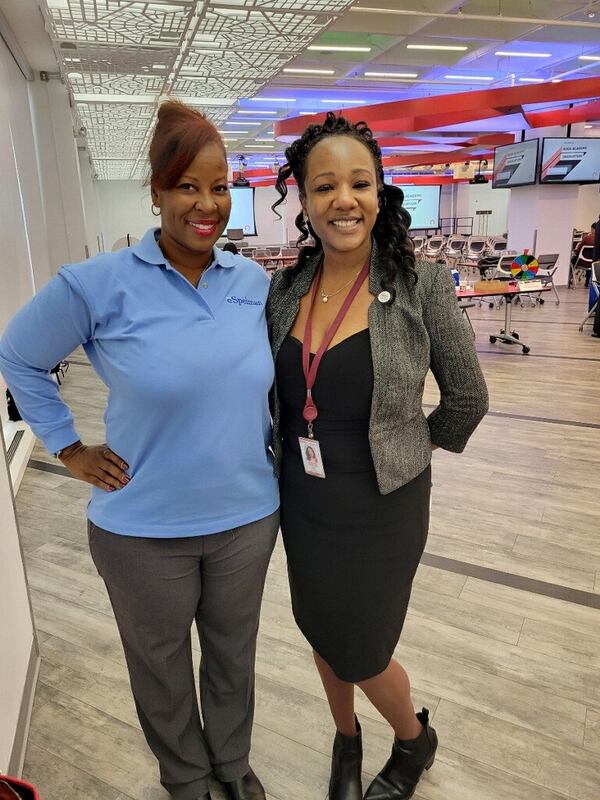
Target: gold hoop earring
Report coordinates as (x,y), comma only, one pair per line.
(157,212)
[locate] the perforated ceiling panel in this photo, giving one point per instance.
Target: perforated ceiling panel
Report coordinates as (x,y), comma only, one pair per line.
(120,57)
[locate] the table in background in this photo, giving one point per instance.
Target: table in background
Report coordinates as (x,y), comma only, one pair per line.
(508,293)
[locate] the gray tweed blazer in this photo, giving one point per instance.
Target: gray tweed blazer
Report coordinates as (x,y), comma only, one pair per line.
(422,329)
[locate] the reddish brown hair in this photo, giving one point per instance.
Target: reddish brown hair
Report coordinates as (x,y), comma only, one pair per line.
(180,133)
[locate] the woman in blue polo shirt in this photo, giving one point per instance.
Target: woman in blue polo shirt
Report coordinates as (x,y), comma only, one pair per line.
(183,515)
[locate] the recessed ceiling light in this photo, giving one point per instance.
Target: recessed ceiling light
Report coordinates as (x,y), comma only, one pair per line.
(242,122)
(258,146)
(451,47)
(556,80)
(265,140)
(338,48)
(72,59)
(228,133)
(255,112)
(391,75)
(468,78)
(272,99)
(589,58)
(531,80)
(159,66)
(299,71)
(74,76)
(587,126)
(341,101)
(522,55)
(309,113)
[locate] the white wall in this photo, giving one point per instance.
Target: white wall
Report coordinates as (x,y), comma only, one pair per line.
(59,174)
(472,198)
(16,270)
(588,206)
(21,243)
(90,203)
(541,219)
(124,207)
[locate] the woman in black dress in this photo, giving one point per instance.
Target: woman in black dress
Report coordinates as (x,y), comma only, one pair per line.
(355,326)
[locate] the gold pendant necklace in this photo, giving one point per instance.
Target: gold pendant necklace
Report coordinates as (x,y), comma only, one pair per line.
(326,295)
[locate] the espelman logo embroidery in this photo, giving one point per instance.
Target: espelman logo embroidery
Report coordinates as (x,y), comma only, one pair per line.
(243,301)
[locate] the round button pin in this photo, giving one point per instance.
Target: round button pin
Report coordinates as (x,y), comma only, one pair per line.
(384,297)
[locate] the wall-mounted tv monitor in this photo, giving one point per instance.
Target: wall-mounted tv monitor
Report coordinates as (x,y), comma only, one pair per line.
(422,203)
(570,160)
(242,210)
(515,164)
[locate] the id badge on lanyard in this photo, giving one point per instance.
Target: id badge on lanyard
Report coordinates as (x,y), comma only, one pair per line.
(309,446)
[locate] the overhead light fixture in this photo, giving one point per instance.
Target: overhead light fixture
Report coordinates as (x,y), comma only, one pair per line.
(391,75)
(338,48)
(78,60)
(309,113)
(556,80)
(137,99)
(531,80)
(258,146)
(468,78)
(159,66)
(457,48)
(589,58)
(340,101)
(242,122)
(272,99)
(255,112)
(522,55)
(230,140)
(227,133)
(588,126)
(299,71)
(74,76)
(265,140)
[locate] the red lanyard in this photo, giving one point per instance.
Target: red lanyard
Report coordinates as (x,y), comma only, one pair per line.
(310,412)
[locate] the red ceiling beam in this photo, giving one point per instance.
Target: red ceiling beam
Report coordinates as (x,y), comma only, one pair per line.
(466,154)
(564,116)
(428,112)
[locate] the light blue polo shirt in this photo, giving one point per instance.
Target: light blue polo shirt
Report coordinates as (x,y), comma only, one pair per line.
(188,372)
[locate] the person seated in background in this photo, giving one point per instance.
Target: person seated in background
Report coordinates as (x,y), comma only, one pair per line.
(230,248)
(587,240)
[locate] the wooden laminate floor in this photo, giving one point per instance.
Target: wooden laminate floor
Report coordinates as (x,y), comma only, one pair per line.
(511,677)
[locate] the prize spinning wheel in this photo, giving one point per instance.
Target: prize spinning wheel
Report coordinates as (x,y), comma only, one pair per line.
(524,268)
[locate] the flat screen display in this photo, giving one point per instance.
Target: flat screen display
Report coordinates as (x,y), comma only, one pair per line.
(570,160)
(422,203)
(515,164)
(242,210)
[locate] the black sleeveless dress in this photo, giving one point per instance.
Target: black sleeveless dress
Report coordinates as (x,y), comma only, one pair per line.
(352,552)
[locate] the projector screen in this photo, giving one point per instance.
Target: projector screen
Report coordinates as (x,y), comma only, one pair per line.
(422,203)
(570,160)
(242,210)
(515,164)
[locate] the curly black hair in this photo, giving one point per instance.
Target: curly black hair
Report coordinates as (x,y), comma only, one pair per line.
(390,232)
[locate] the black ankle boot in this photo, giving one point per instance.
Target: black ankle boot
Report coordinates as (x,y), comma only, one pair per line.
(398,779)
(346,763)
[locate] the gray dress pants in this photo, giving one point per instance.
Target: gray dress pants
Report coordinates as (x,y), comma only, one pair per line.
(158,588)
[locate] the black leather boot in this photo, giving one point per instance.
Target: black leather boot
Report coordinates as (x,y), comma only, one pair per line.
(346,763)
(246,788)
(399,778)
